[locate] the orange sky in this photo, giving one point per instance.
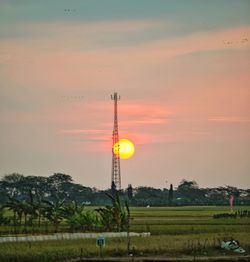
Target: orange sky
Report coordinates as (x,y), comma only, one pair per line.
(183,79)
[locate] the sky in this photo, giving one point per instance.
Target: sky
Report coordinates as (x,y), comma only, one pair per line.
(182,71)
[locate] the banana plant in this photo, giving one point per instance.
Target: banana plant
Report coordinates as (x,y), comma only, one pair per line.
(15,206)
(114,217)
(3,220)
(54,212)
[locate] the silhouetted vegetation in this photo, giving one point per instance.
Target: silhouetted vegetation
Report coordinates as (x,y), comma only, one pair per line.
(57,187)
(170,195)
(237,214)
(24,216)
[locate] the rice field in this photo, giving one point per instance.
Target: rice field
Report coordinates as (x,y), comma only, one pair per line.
(186,220)
(176,232)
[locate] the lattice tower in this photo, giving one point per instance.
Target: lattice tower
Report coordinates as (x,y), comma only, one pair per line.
(116,170)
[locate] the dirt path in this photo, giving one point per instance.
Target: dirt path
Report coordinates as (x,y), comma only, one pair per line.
(168,259)
(63,236)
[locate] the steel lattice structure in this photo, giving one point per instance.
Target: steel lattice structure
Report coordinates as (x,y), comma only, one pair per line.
(116,170)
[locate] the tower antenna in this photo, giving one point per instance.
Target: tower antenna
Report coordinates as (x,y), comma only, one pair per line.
(116,170)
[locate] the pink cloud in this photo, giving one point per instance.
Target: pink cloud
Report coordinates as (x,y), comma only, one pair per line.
(96,27)
(153,51)
(140,122)
(50,67)
(230,119)
(84,131)
(198,42)
(144,109)
(102,138)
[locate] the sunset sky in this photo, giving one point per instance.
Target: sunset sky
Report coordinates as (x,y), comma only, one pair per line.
(182,70)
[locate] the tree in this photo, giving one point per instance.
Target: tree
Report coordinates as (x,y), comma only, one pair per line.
(79,193)
(35,188)
(190,193)
(3,219)
(149,196)
(170,195)
(113,189)
(54,212)
(128,227)
(114,217)
(78,218)
(59,184)
(12,184)
(16,207)
(130,192)
(39,209)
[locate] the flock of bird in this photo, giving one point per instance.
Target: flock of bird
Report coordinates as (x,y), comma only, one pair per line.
(69,10)
(242,41)
(72,98)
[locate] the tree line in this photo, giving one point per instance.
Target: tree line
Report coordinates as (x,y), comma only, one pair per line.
(58,187)
(28,216)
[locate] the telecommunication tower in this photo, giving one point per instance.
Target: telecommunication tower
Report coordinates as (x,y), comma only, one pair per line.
(116,170)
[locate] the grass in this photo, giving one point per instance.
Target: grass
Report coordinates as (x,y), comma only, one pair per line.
(182,212)
(176,232)
(186,220)
(170,246)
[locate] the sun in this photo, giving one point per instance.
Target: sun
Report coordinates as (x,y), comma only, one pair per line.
(125,148)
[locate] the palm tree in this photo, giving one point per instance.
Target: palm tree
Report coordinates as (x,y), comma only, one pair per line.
(15,205)
(3,220)
(39,210)
(26,210)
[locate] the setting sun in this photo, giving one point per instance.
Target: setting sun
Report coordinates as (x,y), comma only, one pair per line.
(125,148)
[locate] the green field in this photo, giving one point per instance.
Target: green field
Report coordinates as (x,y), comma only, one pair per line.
(186,220)
(184,232)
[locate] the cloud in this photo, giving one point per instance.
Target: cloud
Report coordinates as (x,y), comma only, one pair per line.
(134,117)
(62,61)
(139,114)
(104,36)
(230,119)
(83,35)
(114,26)
(145,121)
(156,51)
(84,131)
(36,69)
(144,109)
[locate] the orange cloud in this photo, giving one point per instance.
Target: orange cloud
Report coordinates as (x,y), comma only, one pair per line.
(40,69)
(84,131)
(96,27)
(230,119)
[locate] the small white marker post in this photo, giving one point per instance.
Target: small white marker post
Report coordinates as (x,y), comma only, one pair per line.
(100,242)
